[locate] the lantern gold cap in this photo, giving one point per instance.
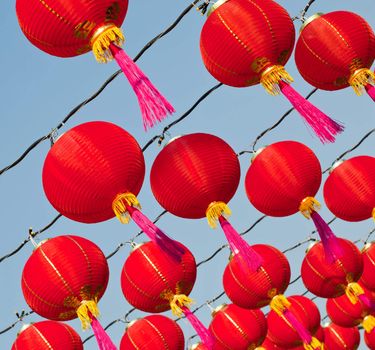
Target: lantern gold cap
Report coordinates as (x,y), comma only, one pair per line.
(173,139)
(217,309)
(24,327)
(367,246)
(194,346)
(310,246)
(256,154)
(310,19)
(131,323)
(215,6)
(336,165)
(137,245)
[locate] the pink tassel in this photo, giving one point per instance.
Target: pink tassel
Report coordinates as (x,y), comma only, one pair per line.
(370,89)
(365,300)
(202,331)
(322,125)
(238,245)
(332,249)
(156,235)
(102,338)
(298,326)
(154,106)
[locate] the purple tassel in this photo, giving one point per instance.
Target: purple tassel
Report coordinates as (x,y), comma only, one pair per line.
(365,300)
(156,235)
(248,257)
(332,249)
(154,106)
(298,326)
(322,125)
(370,89)
(202,331)
(102,338)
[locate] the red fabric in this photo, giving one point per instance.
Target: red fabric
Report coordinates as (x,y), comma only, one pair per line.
(349,190)
(367,278)
(254,289)
(370,339)
(345,314)
(88,166)
(330,280)
(281,176)
(153,332)
(241,38)
(329,45)
(238,329)
(340,338)
(282,333)
(149,273)
(269,345)
(319,334)
(193,171)
(47,335)
(54,25)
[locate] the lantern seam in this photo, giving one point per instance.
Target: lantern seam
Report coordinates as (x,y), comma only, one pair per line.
(42,337)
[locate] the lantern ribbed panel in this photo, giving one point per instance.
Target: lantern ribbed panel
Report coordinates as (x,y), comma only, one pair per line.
(61,273)
(149,273)
(330,45)
(282,333)
(281,176)
(238,329)
(193,171)
(330,280)
(153,332)
(340,338)
(88,167)
(367,278)
(58,27)
(254,289)
(349,190)
(269,345)
(370,339)
(47,335)
(241,38)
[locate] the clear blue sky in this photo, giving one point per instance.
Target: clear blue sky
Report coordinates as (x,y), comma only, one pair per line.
(38,90)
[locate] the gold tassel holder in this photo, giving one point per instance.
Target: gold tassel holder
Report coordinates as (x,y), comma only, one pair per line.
(214,211)
(314,344)
(85,311)
(177,301)
(102,38)
(271,78)
(279,304)
(308,205)
(352,291)
(373,214)
(360,78)
(368,323)
(120,203)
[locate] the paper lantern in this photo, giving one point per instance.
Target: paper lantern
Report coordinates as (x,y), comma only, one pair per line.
(47,335)
(255,289)
(237,329)
(369,327)
(73,27)
(64,278)
(336,50)
(340,338)
(153,332)
(259,58)
(349,190)
(368,255)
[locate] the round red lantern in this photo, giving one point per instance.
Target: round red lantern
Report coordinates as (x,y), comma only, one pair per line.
(341,338)
(64,278)
(368,254)
(47,335)
(369,327)
(238,329)
(336,50)
(259,58)
(74,27)
(153,332)
(255,289)
(349,190)
(331,280)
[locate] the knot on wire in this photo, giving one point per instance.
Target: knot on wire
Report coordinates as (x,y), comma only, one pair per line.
(203,7)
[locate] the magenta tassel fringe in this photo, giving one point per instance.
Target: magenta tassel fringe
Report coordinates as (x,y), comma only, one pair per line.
(370,89)
(102,338)
(298,326)
(332,249)
(322,125)
(202,331)
(156,235)
(367,302)
(250,259)
(154,106)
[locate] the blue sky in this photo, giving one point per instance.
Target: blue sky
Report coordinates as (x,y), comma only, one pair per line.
(38,90)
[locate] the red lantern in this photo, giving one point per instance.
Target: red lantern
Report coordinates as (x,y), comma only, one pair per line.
(340,338)
(369,327)
(47,335)
(255,289)
(259,58)
(64,278)
(238,329)
(153,332)
(336,50)
(74,27)
(332,280)
(349,190)
(367,278)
